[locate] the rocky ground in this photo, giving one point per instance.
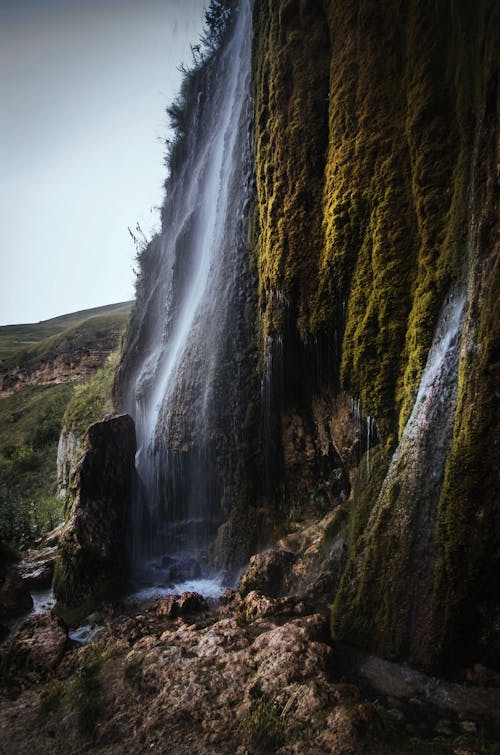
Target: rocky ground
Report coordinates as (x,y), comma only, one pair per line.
(255,673)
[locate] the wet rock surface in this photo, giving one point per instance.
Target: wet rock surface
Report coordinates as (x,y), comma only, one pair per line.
(426,704)
(178,605)
(215,685)
(37,567)
(254,674)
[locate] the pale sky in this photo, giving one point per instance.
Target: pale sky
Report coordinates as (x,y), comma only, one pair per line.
(83,89)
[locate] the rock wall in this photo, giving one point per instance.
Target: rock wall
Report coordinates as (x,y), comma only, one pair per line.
(366,311)
(92,559)
(375,148)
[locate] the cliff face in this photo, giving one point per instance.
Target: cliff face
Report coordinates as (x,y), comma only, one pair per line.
(376,237)
(361,300)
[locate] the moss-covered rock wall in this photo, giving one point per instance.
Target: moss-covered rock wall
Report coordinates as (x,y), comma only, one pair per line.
(375,149)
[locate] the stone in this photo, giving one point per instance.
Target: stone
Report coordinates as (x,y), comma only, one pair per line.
(180,605)
(191,602)
(92,557)
(167,607)
(15,597)
(37,568)
(268,573)
(254,606)
(39,644)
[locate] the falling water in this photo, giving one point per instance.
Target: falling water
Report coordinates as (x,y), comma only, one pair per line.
(187,335)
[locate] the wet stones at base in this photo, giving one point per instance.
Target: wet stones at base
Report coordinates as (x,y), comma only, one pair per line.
(179,605)
(37,567)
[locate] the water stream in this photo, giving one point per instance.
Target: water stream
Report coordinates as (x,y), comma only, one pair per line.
(173,391)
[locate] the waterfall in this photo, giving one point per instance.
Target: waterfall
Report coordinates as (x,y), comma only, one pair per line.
(182,369)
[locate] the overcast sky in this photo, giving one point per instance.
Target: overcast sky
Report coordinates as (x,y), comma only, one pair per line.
(83,90)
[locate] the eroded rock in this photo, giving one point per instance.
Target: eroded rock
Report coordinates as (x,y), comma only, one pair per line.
(37,568)
(180,605)
(268,573)
(39,644)
(15,597)
(92,558)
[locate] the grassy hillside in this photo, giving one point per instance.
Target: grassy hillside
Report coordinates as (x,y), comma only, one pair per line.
(31,418)
(21,339)
(30,423)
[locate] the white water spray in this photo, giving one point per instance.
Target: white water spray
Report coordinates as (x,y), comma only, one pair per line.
(188,309)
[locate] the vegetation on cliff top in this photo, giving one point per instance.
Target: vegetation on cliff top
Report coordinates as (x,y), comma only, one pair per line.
(18,339)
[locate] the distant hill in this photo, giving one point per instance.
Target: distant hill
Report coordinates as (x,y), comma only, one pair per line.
(61,350)
(19,338)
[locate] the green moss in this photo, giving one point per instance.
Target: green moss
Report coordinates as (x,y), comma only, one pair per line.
(80,582)
(91,400)
(360,244)
(262,727)
(85,696)
(291,99)
(352,616)
(465,601)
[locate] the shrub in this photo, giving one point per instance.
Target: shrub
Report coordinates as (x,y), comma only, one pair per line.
(85,696)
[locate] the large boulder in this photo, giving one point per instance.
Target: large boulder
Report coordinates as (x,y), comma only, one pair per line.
(39,644)
(15,597)
(92,557)
(268,573)
(179,605)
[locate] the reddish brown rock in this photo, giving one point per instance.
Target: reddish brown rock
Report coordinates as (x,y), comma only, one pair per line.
(268,573)
(39,644)
(180,605)
(167,607)
(191,602)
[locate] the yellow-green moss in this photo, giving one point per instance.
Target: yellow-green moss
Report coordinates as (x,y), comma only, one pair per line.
(465,600)
(291,100)
(362,161)
(363,250)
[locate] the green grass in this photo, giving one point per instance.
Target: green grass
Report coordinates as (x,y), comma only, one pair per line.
(28,352)
(92,399)
(15,339)
(30,423)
